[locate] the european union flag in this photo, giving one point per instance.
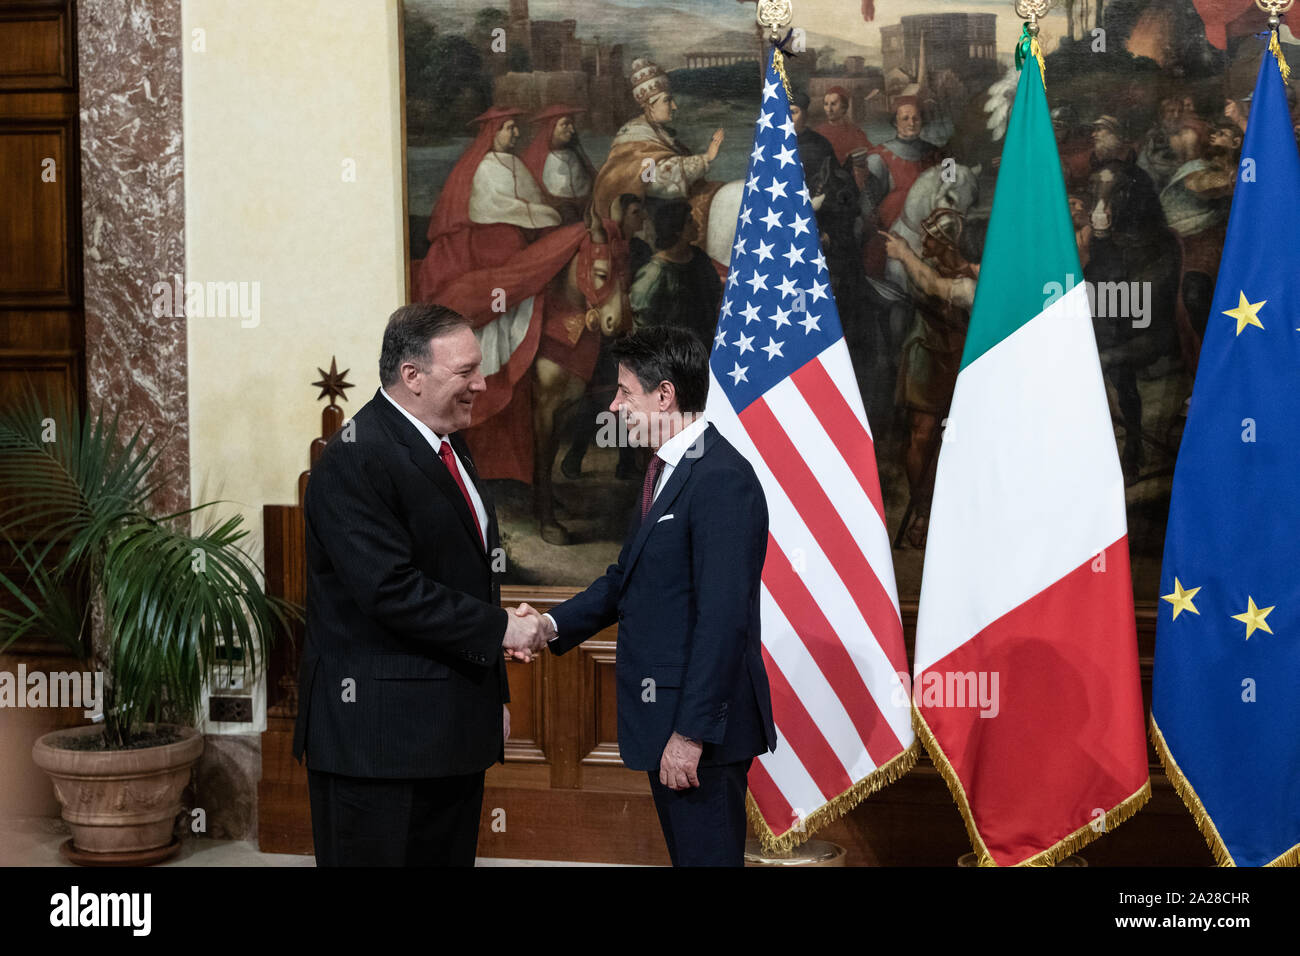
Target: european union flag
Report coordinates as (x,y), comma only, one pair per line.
(1225,710)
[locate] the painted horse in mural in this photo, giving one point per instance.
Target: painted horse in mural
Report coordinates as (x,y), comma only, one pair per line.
(539,318)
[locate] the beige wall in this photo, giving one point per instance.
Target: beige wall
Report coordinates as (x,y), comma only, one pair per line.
(279,99)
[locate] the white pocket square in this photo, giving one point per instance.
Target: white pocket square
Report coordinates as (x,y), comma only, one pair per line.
(664,518)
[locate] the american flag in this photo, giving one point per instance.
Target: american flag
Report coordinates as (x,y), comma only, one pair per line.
(783,392)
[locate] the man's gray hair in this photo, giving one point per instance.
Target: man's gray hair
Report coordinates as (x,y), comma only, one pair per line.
(408,334)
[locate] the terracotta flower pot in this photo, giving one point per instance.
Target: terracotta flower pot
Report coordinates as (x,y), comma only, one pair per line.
(119,802)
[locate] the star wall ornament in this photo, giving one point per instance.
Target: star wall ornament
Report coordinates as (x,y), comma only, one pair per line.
(332,383)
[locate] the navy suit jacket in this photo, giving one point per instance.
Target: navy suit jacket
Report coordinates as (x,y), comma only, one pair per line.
(685,594)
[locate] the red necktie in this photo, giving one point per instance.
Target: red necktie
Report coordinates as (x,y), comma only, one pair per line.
(648,489)
(448,459)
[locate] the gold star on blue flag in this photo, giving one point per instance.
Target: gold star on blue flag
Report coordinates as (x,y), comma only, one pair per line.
(1225,710)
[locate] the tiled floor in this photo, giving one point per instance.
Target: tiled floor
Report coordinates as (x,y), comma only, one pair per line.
(34,841)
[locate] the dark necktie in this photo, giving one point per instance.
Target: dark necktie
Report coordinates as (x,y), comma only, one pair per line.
(448,459)
(648,489)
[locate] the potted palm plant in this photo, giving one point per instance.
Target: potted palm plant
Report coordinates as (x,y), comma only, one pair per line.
(142,598)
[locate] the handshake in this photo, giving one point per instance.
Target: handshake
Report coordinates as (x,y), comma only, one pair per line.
(527,632)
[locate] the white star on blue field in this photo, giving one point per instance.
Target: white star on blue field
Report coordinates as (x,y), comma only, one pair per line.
(777,313)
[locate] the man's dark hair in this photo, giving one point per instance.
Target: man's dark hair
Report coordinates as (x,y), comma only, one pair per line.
(407,337)
(670,220)
(667,353)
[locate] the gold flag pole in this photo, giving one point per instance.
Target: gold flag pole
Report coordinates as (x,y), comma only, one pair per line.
(795,849)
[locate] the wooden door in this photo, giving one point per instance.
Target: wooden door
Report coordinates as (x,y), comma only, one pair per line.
(42,320)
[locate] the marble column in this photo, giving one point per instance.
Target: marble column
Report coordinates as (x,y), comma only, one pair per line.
(133,220)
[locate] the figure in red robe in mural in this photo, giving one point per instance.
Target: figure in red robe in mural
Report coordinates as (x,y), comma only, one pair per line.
(490,208)
(892,170)
(558,162)
(842,132)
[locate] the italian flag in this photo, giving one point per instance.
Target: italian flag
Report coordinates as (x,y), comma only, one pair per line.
(1026,690)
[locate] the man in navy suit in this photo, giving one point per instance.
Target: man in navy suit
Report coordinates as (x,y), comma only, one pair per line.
(694,707)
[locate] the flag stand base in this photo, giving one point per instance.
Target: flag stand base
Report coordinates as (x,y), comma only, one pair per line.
(970,859)
(812,853)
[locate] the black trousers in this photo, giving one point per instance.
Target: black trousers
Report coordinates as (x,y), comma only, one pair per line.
(705,825)
(364,821)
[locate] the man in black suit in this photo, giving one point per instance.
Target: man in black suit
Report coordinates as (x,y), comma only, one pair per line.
(402,687)
(694,707)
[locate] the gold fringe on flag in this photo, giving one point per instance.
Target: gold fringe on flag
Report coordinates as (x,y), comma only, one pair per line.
(1037,52)
(1187,793)
(882,776)
(1275,47)
(778,60)
(1057,851)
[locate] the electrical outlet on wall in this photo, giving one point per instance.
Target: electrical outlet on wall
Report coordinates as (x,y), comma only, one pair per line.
(231,710)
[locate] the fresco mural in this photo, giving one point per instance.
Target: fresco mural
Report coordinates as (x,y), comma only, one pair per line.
(574,171)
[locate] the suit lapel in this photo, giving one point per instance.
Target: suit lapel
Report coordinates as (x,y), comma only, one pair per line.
(671,489)
(424,458)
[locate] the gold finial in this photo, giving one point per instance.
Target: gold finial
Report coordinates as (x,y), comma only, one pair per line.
(774,14)
(1032,10)
(1274,9)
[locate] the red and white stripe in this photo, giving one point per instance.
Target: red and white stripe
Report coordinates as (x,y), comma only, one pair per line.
(832,633)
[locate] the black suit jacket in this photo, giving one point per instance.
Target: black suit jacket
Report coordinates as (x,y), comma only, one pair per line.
(402,674)
(685,594)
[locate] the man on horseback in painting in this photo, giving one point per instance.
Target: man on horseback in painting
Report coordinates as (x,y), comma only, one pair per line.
(892,169)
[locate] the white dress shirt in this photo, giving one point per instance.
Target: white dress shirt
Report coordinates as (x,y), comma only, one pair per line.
(671,453)
(674,448)
(435,442)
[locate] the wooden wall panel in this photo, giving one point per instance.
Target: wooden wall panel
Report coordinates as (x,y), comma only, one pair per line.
(527,712)
(38,269)
(286,578)
(37,41)
(50,374)
(599,704)
(42,318)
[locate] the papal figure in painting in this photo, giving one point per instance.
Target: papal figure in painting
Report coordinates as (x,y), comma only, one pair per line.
(646,158)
